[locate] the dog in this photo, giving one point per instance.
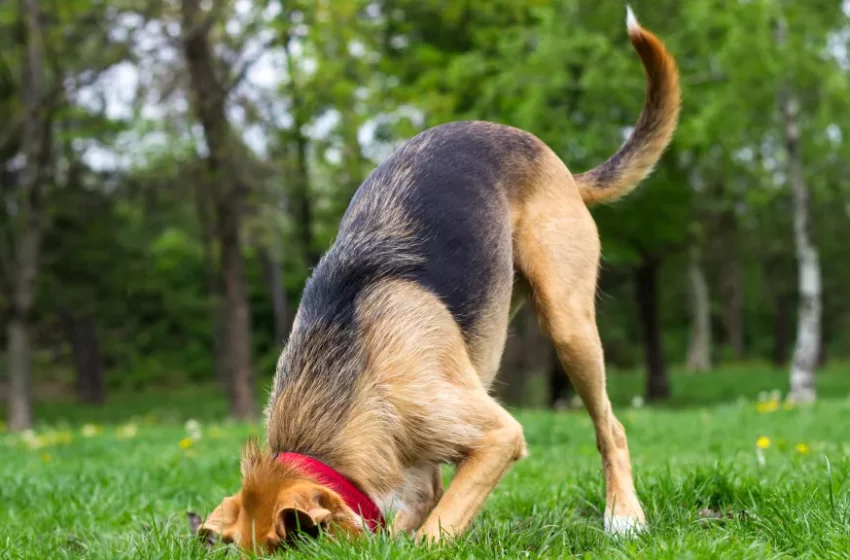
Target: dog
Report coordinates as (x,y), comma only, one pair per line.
(402,324)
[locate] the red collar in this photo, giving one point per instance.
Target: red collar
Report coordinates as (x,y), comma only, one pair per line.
(327,476)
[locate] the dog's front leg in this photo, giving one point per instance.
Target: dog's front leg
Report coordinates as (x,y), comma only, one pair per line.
(423,489)
(485,462)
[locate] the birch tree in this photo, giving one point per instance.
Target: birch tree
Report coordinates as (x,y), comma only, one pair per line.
(807,346)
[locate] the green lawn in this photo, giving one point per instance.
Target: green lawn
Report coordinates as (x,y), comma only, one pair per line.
(120,494)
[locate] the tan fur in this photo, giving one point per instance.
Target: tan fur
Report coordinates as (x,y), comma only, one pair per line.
(635,160)
(558,251)
(414,388)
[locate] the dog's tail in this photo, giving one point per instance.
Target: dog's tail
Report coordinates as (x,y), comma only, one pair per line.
(635,159)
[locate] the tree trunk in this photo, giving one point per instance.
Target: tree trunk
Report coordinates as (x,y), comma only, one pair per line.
(646,284)
(808,343)
(212,285)
(273,276)
(88,363)
(20,393)
(28,227)
(228,190)
(699,352)
(242,404)
(781,338)
(733,313)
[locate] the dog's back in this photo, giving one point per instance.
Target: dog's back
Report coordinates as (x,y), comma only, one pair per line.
(436,213)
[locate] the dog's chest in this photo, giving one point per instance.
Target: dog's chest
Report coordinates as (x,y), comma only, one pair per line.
(392,504)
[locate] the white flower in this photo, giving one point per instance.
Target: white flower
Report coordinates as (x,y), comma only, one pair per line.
(127,431)
(637,401)
(760,457)
(193,428)
(90,430)
(32,440)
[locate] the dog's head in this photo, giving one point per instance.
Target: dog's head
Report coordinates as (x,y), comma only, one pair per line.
(275,506)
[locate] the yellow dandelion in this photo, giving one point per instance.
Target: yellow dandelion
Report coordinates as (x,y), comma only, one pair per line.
(763,442)
(802,448)
(191,453)
(185,443)
(91,430)
(2,426)
(215,432)
(45,457)
(149,418)
(788,405)
(767,406)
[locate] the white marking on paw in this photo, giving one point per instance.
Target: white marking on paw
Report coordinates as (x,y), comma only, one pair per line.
(623,525)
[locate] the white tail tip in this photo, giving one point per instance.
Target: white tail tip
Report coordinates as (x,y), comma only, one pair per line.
(631,21)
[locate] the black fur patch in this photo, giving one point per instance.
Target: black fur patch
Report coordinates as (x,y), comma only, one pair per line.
(451,199)
(433,213)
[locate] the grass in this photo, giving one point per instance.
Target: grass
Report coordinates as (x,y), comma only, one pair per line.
(119,494)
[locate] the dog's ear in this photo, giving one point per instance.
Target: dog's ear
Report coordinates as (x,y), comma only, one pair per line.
(309,509)
(293,520)
(221,523)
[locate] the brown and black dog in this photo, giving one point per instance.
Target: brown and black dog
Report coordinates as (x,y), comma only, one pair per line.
(401,328)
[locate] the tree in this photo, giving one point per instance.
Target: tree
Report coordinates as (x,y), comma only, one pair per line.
(24,227)
(227,192)
(647,294)
(808,345)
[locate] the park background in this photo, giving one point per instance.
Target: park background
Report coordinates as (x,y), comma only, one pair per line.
(170,171)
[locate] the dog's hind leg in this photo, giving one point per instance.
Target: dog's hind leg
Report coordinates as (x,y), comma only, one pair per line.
(557,249)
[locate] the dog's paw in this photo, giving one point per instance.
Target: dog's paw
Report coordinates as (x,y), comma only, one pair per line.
(622,525)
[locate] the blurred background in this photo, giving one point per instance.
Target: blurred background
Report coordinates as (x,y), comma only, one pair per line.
(171,170)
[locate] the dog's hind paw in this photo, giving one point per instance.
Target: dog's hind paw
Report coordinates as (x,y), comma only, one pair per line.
(624,525)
